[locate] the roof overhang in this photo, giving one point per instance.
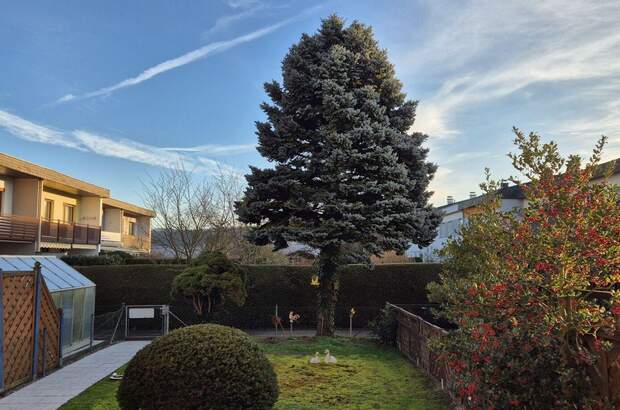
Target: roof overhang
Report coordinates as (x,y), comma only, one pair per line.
(15,167)
(134,209)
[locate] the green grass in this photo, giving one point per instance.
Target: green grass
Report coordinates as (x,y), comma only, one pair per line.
(99,396)
(365,377)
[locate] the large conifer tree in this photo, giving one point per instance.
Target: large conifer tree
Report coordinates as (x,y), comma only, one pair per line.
(347,169)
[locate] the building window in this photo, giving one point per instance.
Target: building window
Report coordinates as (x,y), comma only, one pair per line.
(69,214)
(49,210)
(131,228)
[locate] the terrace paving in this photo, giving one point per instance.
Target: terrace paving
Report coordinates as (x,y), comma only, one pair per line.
(51,391)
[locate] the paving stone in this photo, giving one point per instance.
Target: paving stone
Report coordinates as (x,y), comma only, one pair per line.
(62,385)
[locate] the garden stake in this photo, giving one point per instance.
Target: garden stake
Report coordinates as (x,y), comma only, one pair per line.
(275,321)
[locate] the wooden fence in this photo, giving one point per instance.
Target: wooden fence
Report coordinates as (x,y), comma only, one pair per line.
(413,335)
(30,328)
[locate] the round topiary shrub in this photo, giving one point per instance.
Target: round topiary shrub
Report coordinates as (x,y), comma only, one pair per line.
(199,367)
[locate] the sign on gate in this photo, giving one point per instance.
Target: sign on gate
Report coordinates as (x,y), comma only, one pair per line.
(146,321)
(142,313)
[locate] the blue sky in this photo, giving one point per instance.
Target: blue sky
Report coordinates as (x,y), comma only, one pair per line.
(112,92)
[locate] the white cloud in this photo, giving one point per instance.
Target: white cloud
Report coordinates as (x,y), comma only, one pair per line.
(235,4)
(30,131)
(217,149)
(127,149)
(187,58)
(505,47)
(564,55)
(191,158)
(227,20)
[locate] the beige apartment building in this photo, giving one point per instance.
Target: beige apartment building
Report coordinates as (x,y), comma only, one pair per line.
(44,211)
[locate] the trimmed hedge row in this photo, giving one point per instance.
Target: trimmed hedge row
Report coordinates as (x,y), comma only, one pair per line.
(116,258)
(362,287)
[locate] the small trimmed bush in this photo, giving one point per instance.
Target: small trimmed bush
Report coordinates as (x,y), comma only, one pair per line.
(384,326)
(201,366)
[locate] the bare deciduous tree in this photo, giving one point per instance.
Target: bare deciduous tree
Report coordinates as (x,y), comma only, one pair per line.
(185,211)
(196,214)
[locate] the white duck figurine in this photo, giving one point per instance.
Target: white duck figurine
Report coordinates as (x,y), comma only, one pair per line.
(329,358)
(315,359)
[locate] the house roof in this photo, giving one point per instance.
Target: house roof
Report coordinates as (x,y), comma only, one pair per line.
(506,192)
(14,166)
(516,191)
(57,274)
(115,203)
(601,169)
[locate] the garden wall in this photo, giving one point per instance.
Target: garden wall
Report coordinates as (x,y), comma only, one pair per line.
(364,288)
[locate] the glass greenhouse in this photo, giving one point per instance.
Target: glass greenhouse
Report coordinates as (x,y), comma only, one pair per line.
(71,291)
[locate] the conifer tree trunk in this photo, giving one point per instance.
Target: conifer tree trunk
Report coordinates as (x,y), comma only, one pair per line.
(327,292)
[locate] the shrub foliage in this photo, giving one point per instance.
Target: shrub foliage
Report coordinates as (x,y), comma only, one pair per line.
(533,290)
(209,281)
(201,366)
(384,326)
(364,288)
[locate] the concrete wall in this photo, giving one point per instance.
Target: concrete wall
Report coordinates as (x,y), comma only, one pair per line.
(112,220)
(510,204)
(59,199)
(87,208)
(614,179)
(7,195)
(143,227)
(428,253)
(126,220)
(90,211)
(27,197)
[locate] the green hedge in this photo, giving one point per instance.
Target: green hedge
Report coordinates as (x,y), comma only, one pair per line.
(200,367)
(364,288)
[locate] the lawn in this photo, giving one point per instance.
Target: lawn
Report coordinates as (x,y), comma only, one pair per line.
(365,377)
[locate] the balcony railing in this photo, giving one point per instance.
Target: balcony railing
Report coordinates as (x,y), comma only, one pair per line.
(62,232)
(137,242)
(107,236)
(16,228)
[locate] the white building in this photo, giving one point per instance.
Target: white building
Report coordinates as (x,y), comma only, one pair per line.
(455,214)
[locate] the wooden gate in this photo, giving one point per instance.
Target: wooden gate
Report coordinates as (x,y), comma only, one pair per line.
(27,313)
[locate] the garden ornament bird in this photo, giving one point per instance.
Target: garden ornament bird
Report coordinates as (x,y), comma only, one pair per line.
(329,358)
(315,359)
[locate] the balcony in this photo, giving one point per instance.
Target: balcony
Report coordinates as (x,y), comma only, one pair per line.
(111,237)
(16,228)
(61,232)
(136,242)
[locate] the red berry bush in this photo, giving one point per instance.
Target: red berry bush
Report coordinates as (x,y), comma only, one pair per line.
(534,290)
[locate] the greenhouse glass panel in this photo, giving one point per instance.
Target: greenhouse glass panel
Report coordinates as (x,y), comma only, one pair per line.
(78,315)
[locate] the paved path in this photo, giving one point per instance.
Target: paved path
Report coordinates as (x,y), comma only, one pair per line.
(52,391)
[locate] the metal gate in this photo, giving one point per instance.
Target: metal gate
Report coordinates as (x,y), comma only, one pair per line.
(146,321)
